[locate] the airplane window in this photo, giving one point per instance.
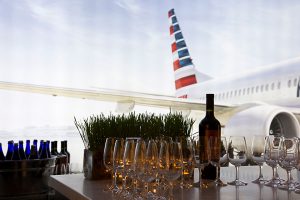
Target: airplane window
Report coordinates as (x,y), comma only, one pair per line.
(235,93)
(289,83)
(252,90)
(267,87)
(231,94)
(261,88)
(278,85)
(272,86)
(244,91)
(295,82)
(257,89)
(240,92)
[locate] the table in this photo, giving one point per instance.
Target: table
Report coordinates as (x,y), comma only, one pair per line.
(76,187)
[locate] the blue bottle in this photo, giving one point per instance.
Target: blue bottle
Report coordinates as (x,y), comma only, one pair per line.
(27,149)
(41,147)
(16,155)
(10,150)
(2,157)
(43,154)
(33,153)
(21,150)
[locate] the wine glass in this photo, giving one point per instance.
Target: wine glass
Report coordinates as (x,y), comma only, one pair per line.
(218,156)
(128,169)
(118,164)
(297,189)
(108,159)
(202,157)
(272,158)
(288,160)
(237,156)
(189,163)
(146,164)
(170,163)
(258,155)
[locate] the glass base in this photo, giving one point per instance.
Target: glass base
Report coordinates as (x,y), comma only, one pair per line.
(259,180)
(201,186)
(290,186)
(237,183)
(274,182)
(220,183)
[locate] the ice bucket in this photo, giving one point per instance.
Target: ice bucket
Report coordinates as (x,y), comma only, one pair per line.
(25,177)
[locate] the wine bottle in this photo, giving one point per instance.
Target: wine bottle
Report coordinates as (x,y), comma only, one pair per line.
(10,150)
(2,157)
(66,150)
(48,149)
(21,150)
(33,153)
(43,147)
(16,155)
(27,149)
(209,127)
(54,148)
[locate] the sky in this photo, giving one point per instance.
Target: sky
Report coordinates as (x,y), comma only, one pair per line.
(125,45)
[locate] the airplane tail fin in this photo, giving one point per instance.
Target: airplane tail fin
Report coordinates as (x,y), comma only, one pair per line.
(184,70)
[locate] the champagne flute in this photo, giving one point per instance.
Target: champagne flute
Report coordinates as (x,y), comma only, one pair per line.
(128,170)
(146,164)
(287,160)
(272,158)
(170,163)
(187,176)
(218,156)
(237,156)
(202,157)
(118,164)
(258,155)
(108,159)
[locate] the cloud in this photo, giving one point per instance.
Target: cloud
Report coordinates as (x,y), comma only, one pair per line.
(130,5)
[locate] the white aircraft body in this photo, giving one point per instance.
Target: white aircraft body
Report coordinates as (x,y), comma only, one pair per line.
(264,102)
(259,103)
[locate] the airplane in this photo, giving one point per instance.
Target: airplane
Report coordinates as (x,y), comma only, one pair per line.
(266,102)
(259,103)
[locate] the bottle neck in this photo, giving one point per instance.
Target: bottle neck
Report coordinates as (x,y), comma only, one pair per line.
(209,105)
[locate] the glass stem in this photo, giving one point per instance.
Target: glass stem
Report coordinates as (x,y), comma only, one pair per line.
(260,172)
(200,179)
(171,191)
(115,180)
(275,173)
(237,173)
(288,177)
(217,171)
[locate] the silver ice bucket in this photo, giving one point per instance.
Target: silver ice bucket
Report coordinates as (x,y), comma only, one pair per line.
(25,177)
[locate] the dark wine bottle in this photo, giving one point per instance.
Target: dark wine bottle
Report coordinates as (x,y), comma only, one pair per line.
(10,150)
(48,149)
(33,153)
(16,155)
(21,151)
(27,149)
(209,127)
(54,148)
(66,150)
(2,157)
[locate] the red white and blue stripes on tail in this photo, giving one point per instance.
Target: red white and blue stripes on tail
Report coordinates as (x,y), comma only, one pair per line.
(184,69)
